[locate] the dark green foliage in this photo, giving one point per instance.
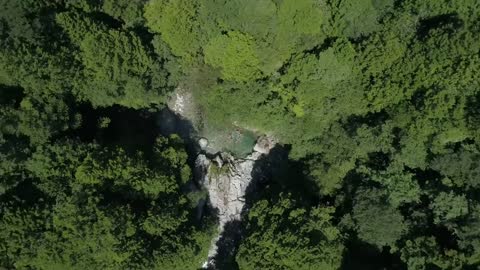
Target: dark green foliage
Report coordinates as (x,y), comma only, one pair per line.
(101,208)
(355,18)
(234,54)
(14,23)
(469,235)
(12,167)
(118,69)
(424,252)
(448,207)
(377,102)
(377,222)
(128,11)
(460,168)
(283,235)
(43,117)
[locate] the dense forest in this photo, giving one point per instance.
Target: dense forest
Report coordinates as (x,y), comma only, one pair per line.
(375,102)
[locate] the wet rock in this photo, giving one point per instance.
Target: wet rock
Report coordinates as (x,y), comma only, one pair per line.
(219,161)
(203,143)
(202,164)
(226,179)
(264,144)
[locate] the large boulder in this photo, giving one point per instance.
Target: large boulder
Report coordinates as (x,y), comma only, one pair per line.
(264,145)
(203,143)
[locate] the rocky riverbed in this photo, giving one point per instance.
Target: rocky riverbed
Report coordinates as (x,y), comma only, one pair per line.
(226,177)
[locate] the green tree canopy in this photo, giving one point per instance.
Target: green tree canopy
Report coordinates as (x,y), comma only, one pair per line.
(279,238)
(235,55)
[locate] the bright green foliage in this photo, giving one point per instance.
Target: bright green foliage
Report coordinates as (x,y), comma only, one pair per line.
(300,17)
(283,235)
(278,27)
(297,22)
(385,50)
(78,26)
(318,79)
(248,16)
(92,167)
(80,236)
(175,21)
(234,54)
(330,67)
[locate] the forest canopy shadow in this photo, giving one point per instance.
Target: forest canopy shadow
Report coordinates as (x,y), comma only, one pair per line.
(275,171)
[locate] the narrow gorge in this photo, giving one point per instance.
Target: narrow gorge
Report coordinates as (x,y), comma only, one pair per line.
(226,176)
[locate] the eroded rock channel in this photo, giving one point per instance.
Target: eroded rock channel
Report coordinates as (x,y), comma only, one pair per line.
(227,180)
(223,175)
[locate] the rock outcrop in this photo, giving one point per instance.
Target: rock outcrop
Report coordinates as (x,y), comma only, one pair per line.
(203,143)
(225,177)
(226,180)
(264,144)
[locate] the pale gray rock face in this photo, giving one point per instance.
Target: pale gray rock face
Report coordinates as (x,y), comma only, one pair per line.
(182,103)
(203,143)
(226,180)
(264,144)
(225,177)
(227,183)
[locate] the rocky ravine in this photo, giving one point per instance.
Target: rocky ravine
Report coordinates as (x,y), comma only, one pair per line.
(225,177)
(226,180)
